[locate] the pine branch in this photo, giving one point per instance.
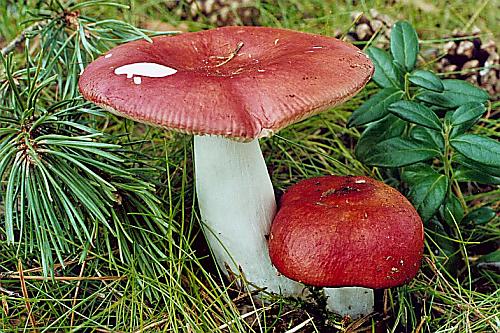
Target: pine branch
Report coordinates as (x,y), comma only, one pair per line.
(22,37)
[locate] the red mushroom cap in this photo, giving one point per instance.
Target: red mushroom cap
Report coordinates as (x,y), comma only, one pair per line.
(346,231)
(238,82)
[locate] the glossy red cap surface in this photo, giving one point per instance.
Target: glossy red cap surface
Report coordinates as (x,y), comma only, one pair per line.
(237,82)
(338,231)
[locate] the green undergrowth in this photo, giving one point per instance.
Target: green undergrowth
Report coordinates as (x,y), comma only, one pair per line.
(99,223)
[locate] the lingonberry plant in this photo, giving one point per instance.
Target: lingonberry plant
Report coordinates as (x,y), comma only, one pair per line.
(422,125)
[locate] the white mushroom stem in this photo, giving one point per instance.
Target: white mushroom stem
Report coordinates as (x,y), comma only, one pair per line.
(237,205)
(353,301)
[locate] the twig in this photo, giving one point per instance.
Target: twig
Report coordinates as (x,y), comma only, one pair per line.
(102,330)
(9,293)
(494,266)
(386,300)
(77,289)
(232,55)
(420,325)
(355,325)
(22,37)
(56,266)
(152,325)
(300,326)
(62,278)
(251,313)
(5,307)
(25,294)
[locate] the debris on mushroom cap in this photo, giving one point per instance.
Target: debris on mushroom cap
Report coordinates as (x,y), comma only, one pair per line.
(338,231)
(236,82)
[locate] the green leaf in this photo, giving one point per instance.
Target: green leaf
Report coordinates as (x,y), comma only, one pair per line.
(492,257)
(466,174)
(462,128)
(416,113)
(467,112)
(427,136)
(462,92)
(427,80)
(385,74)
(388,127)
(376,107)
(397,152)
(413,173)
(428,194)
(486,169)
(480,216)
(490,261)
(456,93)
(443,247)
(478,148)
(404,44)
(400,72)
(434,98)
(451,210)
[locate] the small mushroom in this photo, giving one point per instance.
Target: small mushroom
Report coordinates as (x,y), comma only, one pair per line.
(229,87)
(347,234)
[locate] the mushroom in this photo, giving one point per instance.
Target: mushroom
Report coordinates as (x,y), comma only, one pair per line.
(229,87)
(348,234)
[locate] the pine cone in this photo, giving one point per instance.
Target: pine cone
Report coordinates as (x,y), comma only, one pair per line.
(217,12)
(472,60)
(366,25)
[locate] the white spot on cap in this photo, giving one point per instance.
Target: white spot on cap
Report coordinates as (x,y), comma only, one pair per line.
(108,55)
(317,47)
(276,41)
(146,69)
(360,181)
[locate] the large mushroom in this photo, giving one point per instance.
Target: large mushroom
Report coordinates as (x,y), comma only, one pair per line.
(351,233)
(229,87)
